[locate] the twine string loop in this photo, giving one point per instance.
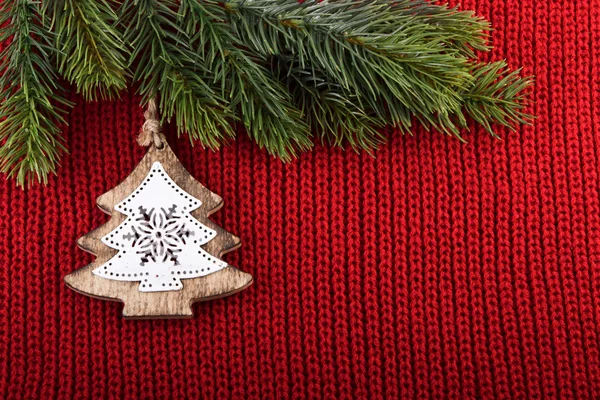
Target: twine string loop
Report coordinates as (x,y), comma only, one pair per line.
(151,133)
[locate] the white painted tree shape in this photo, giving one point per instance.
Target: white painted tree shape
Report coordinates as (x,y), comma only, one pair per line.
(159,242)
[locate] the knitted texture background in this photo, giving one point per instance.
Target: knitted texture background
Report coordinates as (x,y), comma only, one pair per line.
(436,269)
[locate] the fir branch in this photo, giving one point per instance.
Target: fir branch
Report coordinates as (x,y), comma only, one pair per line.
(460,30)
(340,69)
(395,59)
(166,67)
(331,112)
(268,113)
(409,65)
(498,96)
(31,107)
(90,47)
(263,102)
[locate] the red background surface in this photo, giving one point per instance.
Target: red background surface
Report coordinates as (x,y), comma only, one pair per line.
(437,269)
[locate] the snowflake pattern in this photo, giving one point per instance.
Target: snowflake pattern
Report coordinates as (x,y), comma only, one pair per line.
(158,235)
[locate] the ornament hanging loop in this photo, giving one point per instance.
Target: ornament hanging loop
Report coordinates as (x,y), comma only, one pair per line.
(151,133)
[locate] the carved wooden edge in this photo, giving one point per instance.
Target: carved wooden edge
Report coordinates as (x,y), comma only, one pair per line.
(155,306)
(168,304)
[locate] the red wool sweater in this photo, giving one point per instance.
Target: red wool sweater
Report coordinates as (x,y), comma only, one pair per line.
(437,269)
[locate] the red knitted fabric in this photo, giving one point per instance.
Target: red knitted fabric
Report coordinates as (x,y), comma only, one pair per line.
(436,269)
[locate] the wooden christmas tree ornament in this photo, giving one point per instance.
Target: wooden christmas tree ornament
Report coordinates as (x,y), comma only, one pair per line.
(159,253)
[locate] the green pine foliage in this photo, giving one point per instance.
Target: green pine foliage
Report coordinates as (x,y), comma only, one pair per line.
(166,64)
(89,48)
(31,107)
(262,101)
(290,73)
